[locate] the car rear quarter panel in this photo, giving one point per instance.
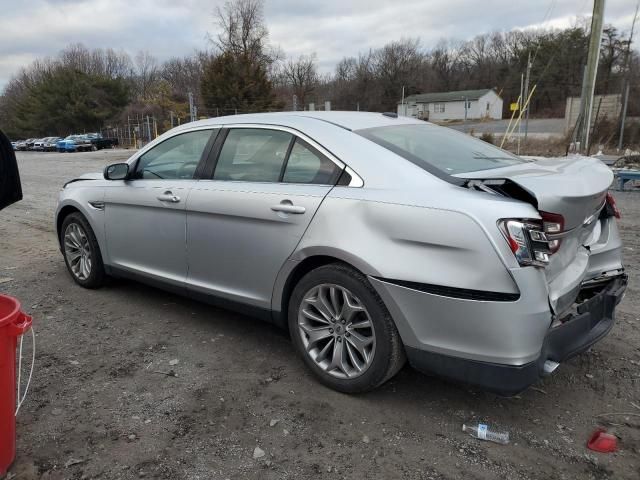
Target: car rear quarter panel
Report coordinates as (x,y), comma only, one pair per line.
(443,235)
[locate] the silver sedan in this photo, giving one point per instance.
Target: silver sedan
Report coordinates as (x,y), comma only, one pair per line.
(372,238)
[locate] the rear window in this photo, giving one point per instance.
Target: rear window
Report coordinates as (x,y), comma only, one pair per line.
(443,149)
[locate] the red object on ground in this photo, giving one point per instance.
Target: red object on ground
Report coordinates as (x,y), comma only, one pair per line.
(13,323)
(602,442)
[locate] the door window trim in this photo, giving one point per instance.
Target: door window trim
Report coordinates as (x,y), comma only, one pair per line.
(200,169)
(299,141)
(212,160)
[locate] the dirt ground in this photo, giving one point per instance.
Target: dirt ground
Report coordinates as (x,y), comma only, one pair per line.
(98,408)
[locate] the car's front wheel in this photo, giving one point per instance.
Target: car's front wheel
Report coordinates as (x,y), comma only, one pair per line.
(343,331)
(81,251)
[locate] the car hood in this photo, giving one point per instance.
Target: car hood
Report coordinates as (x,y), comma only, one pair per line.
(87,176)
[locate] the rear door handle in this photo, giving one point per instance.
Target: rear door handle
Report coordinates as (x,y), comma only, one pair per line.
(168,197)
(288,208)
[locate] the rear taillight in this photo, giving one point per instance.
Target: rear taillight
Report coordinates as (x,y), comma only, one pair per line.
(552,224)
(612,208)
(527,240)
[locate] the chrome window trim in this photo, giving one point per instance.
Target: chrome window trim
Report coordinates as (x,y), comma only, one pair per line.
(134,158)
(356,180)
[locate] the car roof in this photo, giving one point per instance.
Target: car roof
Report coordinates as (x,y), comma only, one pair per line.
(346,120)
(334,132)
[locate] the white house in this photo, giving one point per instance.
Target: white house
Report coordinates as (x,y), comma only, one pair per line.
(451,105)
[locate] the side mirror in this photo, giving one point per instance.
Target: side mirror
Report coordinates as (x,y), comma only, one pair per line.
(116,171)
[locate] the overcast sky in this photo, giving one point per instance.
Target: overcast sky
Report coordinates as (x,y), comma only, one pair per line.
(331,28)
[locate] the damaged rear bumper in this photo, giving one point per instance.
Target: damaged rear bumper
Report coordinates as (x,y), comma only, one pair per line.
(592,320)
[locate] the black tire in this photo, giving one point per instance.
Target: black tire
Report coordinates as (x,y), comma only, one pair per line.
(389,355)
(96,277)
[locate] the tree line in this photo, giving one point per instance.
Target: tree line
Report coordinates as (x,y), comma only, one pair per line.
(239,71)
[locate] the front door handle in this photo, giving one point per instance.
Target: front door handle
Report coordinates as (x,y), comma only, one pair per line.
(168,197)
(288,208)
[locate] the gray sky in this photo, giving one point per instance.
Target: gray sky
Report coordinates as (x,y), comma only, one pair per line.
(331,28)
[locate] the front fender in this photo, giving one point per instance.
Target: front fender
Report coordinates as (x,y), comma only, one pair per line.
(76,197)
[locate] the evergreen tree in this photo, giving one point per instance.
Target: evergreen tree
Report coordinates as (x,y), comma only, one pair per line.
(235,82)
(67,100)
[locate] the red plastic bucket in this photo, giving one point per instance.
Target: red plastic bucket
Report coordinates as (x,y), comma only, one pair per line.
(13,323)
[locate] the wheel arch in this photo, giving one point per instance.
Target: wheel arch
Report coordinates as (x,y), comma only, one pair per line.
(301,264)
(69,206)
(62,214)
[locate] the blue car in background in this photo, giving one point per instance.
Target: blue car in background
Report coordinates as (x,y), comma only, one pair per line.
(75,143)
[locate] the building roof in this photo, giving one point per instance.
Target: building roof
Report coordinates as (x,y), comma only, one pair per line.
(456,96)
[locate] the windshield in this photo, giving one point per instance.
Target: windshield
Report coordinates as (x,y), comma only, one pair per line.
(444,149)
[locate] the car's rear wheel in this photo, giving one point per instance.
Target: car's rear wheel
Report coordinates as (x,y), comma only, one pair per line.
(81,251)
(343,331)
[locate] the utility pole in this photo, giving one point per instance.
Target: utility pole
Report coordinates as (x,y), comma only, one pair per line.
(466,103)
(404,112)
(295,103)
(520,103)
(526,95)
(129,129)
(192,115)
(171,114)
(589,85)
(625,91)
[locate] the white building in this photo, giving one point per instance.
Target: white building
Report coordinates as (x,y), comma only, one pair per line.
(451,105)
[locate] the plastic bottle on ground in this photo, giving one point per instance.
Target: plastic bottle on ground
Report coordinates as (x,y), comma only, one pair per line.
(482,432)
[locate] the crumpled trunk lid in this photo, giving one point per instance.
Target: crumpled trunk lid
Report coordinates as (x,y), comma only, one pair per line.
(574,187)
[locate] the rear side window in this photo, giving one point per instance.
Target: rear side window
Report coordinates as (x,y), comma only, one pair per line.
(253,155)
(440,150)
(307,165)
(175,158)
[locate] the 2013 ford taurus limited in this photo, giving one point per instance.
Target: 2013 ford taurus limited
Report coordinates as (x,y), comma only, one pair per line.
(372,238)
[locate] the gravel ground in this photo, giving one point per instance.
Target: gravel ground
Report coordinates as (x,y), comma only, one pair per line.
(98,408)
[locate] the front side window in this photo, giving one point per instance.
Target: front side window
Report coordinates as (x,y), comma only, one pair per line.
(174,159)
(307,165)
(253,155)
(443,149)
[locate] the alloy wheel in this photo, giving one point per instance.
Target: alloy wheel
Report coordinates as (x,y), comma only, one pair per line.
(336,331)
(78,251)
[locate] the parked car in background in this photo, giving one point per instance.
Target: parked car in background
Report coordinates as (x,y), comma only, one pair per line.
(51,144)
(372,238)
(30,143)
(38,145)
(100,142)
(14,145)
(21,145)
(74,143)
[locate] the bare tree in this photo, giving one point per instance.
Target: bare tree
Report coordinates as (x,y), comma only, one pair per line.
(397,65)
(243,30)
(147,73)
(302,76)
(117,64)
